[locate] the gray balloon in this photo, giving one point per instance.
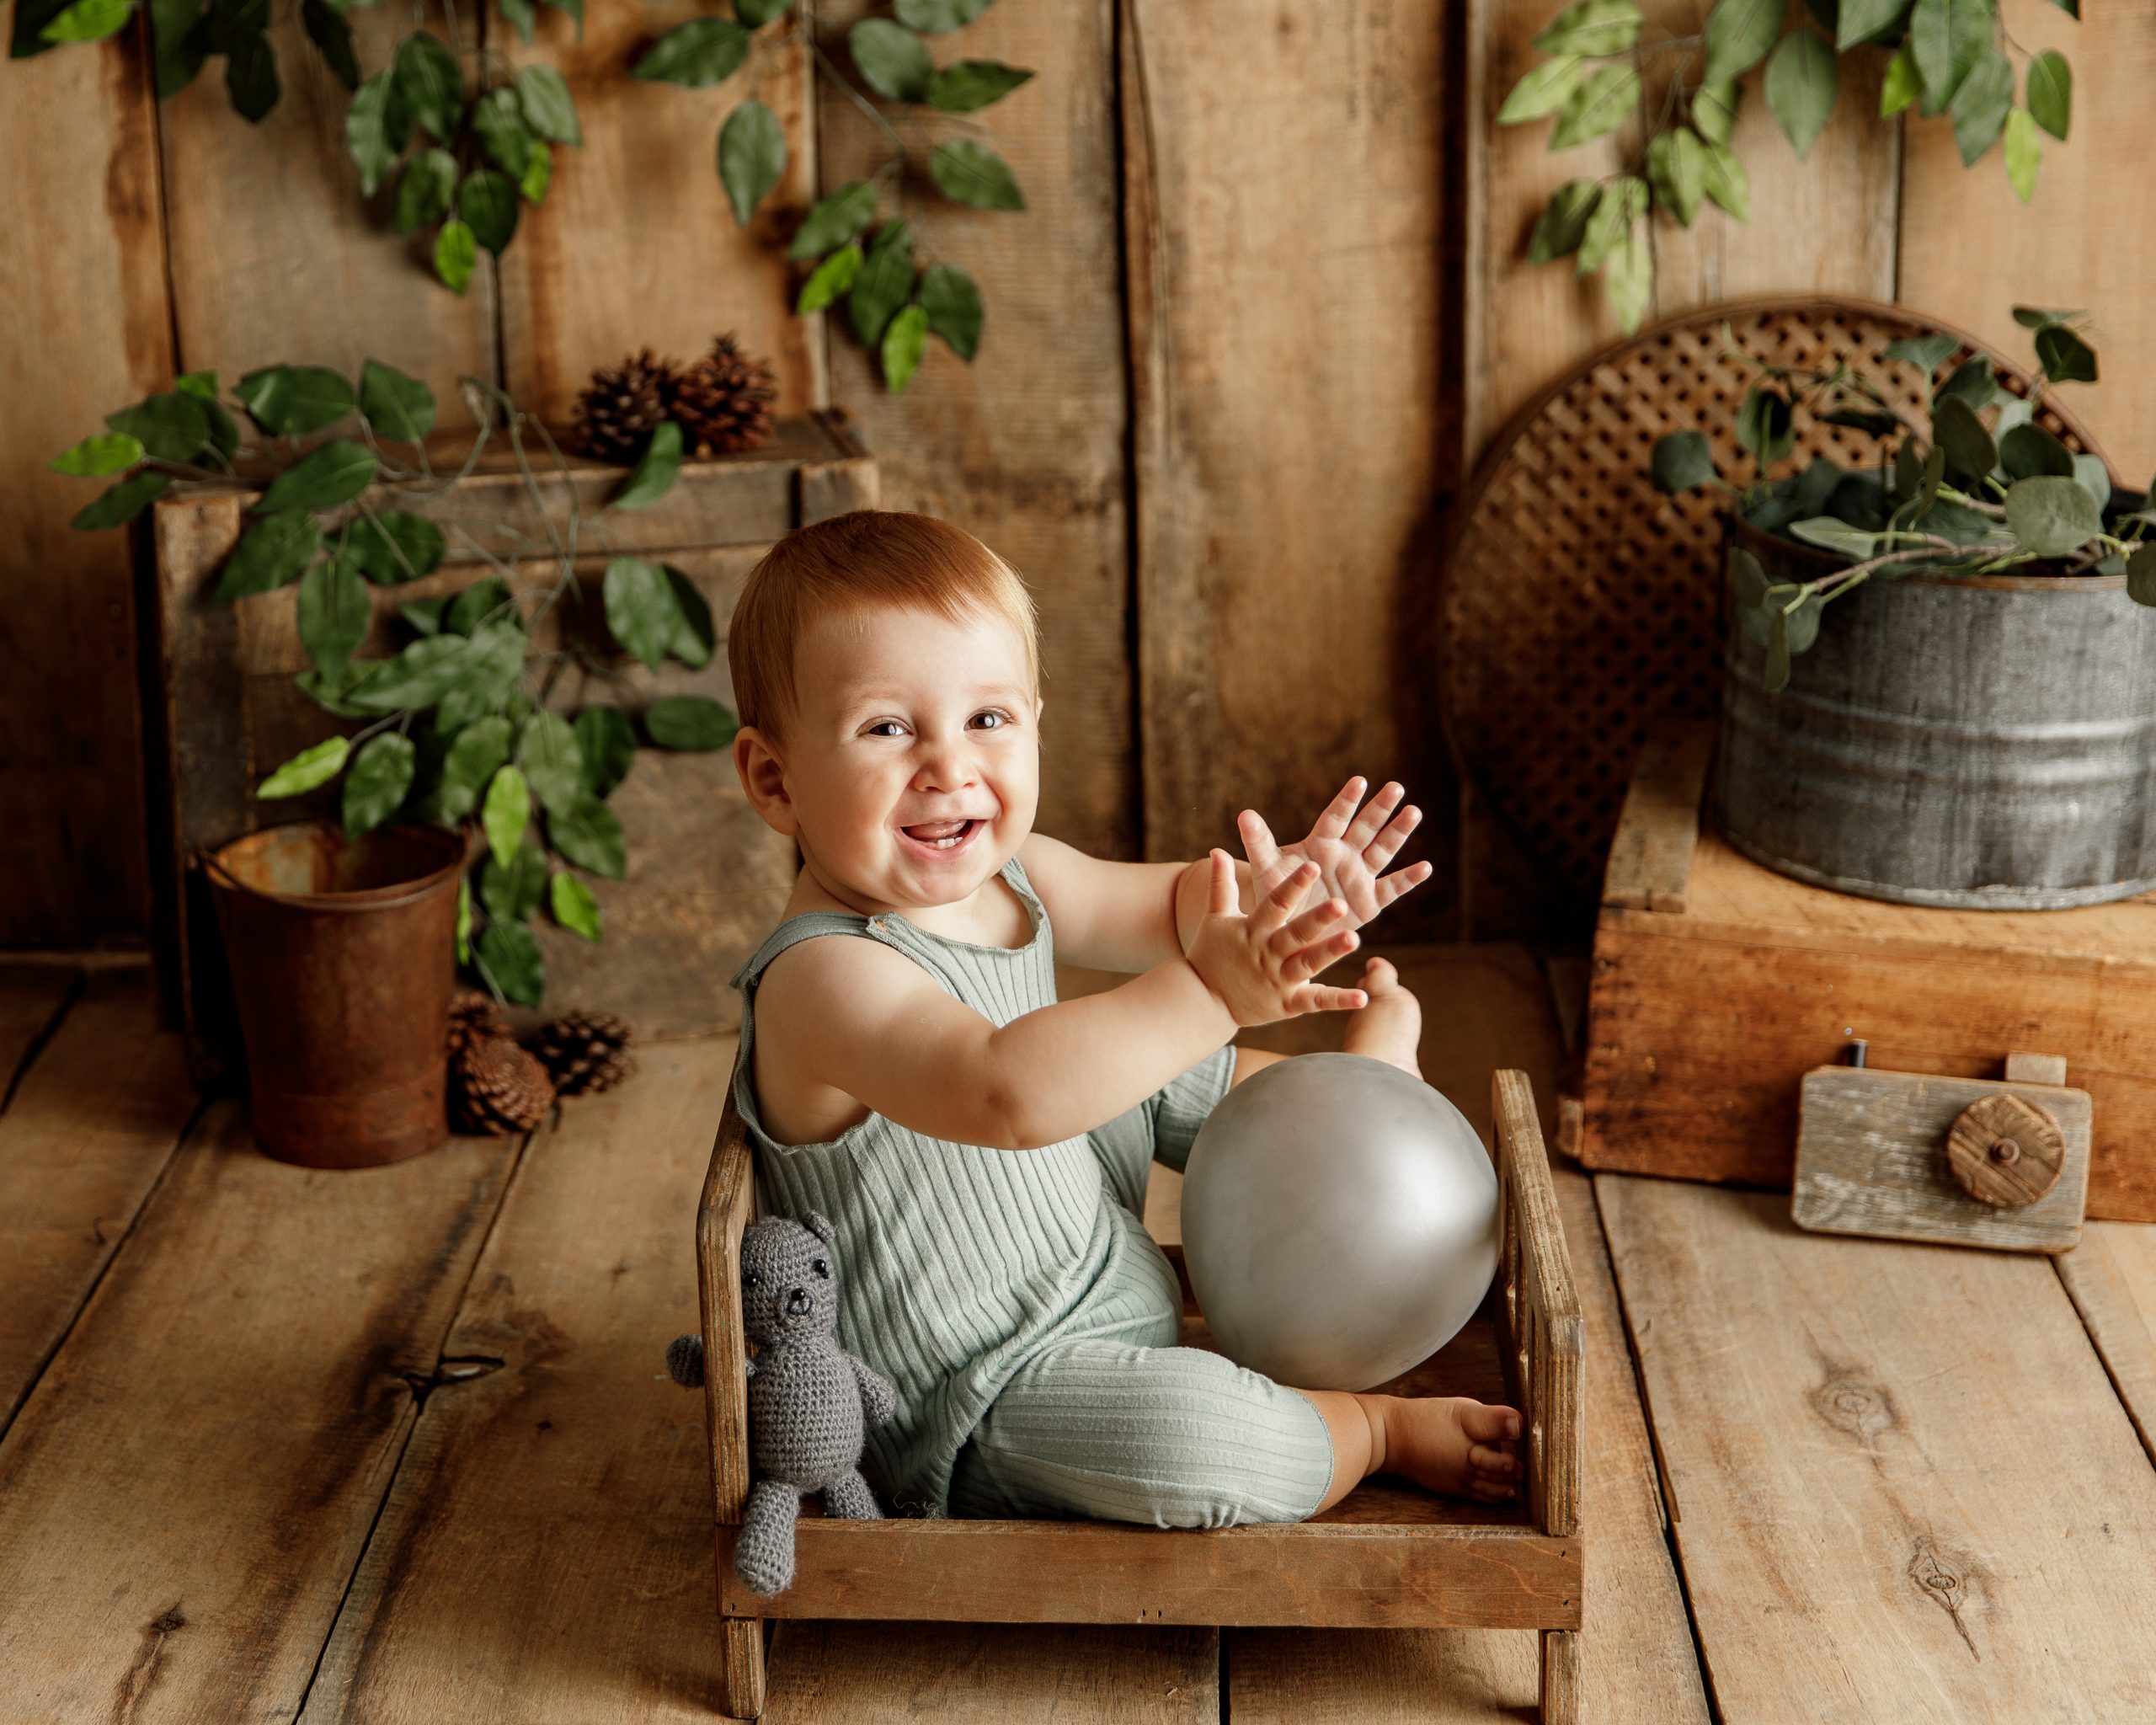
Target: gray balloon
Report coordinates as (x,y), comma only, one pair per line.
(1339,1221)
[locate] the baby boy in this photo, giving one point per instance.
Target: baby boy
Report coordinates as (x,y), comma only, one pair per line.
(982,1148)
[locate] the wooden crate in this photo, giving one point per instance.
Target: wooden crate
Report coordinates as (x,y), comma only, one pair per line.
(707,879)
(1386,1556)
(1718,984)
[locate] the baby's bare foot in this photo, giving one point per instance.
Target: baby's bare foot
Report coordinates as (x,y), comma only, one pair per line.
(1390,1026)
(1449,1443)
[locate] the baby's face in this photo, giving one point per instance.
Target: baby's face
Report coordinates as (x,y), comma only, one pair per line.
(912,729)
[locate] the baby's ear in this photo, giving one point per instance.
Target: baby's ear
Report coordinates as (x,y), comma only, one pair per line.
(817,1225)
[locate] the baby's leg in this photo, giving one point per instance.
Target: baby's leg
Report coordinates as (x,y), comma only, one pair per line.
(1454,1444)
(1163,1125)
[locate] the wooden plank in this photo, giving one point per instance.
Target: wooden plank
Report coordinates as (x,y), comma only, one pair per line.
(1898,1475)
(1285,524)
(1970,251)
(89,331)
(92,1125)
(2112,1276)
(1539,1314)
(32,998)
(554,1503)
(1650,857)
(1025,447)
(184,1495)
(636,245)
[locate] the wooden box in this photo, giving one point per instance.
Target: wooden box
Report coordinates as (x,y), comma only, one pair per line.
(707,879)
(1386,1556)
(1718,984)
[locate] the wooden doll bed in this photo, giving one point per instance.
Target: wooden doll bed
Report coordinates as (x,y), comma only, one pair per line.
(1386,1556)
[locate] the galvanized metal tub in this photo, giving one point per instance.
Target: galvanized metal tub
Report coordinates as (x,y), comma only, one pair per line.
(1979,743)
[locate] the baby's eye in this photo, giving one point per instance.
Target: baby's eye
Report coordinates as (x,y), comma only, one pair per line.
(822,1268)
(876,728)
(1002,718)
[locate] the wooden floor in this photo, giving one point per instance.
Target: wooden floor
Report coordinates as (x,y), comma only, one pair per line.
(397,1445)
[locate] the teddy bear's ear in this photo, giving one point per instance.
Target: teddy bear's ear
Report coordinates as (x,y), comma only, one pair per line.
(816,1224)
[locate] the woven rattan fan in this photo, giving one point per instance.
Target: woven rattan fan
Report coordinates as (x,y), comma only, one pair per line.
(1580,603)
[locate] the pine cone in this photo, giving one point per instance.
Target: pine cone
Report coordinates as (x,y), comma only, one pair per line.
(495,1086)
(585,1053)
(622,406)
(474,1015)
(723,403)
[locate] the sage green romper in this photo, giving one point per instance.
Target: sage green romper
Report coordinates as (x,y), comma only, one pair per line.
(1028,1319)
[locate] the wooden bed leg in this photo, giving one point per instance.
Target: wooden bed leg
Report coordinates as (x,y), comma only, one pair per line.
(741,1666)
(1560,1677)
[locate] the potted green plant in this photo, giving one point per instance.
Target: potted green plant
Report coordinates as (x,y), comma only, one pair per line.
(1975,701)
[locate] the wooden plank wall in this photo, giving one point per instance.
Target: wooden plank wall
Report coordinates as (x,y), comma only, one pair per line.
(1268,307)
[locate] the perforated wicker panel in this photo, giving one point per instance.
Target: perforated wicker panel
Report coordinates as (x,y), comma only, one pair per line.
(1580,603)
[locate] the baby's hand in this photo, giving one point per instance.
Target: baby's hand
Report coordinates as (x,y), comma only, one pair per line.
(1350,853)
(1259,966)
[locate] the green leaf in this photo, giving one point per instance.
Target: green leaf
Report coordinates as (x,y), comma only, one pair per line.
(640,608)
(574,907)
(1927,352)
(478,750)
(970,85)
(93,457)
(891,59)
(695,635)
(1726,182)
(552,760)
(1973,380)
(399,408)
(1903,85)
(2072,8)
(1981,104)
(464,920)
(1714,111)
(1860,20)
(507,810)
(1597,107)
(756,12)
(607,745)
(251,77)
(1765,422)
(177,45)
(1622,200)
(510,958)
(430,83)
(884,283)
(376,126)
(696,54)
(2141,574)
(549,108)
(2095,477)
(751,157)
(2039,317)
(1969,449)
(834,221)
(1677,168)
(1559,230)
(832,277)
(88,21)
(498,121)
(655,470)
(952,303)
(1545,88)
(1774,674)
(201,385)
(476,604)
(1815,485)
(971,173)
(271,553)
(487,203)
(423,190)
(456,253)
(1682,460)
(1739,33)
(1836,535)
(324,477)
(2025,153)
(1947,39)
(380,776)
(932,17)
(2065,356)
(418,676)
(306,770)
(1594,28)
(1802,81)
(904,342)
(536,176)
(395,546)
(424,615)
(2051,92)
(1628,277)
(333,612)
(486,677)
(590,836)
(171,427)
(523,14)
(512,891)
(2051,516)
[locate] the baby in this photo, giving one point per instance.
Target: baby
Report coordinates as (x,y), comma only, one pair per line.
(982,1148)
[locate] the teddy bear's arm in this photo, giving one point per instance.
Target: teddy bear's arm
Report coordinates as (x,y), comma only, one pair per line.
(879,1401)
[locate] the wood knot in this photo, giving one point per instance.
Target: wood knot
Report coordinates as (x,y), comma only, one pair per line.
(2005,1151)
(1851,1404)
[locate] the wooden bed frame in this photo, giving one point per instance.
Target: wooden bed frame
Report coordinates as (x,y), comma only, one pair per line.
(1386,1556)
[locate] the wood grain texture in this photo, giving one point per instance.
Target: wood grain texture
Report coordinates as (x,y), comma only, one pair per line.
(89,331)
(636,244)
(2112,1277)
(33,997)
(92,1125)
(1650,857)
(1873,1151)
(1539,1310)
(1879,1455)
(550,1517)
(1970,251)
(184,1496)
(1024,448)
(1290,451)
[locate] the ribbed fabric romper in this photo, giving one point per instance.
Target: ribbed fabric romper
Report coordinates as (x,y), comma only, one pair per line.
(1026,1317)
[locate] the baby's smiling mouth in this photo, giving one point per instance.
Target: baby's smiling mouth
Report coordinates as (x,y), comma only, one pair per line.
(941,834)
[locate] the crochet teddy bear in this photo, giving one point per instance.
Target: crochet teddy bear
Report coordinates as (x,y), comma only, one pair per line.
(810,1402)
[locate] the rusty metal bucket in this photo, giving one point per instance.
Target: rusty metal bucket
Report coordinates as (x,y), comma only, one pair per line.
(341,958)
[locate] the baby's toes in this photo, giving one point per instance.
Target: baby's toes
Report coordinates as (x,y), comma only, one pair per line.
(1488,1422)
(1497,1464)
